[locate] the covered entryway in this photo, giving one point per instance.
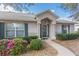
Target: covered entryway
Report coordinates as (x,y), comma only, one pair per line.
(44,28)
(46,25)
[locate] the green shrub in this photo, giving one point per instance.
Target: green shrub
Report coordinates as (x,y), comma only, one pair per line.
(33,37)
(30,38)
(18,37)
(19,47)
(59,36)
(13,47)
(3,44)
(67,36)
(27,39)
(24,43)
(3,48)
(36,44)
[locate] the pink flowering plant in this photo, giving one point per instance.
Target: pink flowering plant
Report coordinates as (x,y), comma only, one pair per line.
(3,45)
(15,46)
(18,47)
(10,44)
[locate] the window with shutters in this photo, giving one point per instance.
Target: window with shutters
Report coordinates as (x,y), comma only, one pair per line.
(15,30)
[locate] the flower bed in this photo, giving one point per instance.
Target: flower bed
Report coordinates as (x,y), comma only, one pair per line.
(12,47)
(46,51)
(19,45)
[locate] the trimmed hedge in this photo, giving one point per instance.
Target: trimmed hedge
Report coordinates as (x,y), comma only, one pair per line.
(67,36)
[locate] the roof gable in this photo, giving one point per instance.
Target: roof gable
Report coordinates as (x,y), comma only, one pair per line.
(47,12)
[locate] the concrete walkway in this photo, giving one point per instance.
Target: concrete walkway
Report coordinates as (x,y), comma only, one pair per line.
(62,51)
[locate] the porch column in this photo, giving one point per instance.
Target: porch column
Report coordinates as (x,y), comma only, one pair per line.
(52,31)
(38,28)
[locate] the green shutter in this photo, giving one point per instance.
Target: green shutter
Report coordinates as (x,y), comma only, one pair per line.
(1,30)
(40,31)
(62,29)
(26,30)
(68,28)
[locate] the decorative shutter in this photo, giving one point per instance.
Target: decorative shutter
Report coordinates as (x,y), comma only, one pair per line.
(62,29)
(26,30)
(2,30)
(68,28)
(41,31)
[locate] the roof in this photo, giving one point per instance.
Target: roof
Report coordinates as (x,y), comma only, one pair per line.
(65,21)
(77,22)
(48,10)
(16,16)
(26,17)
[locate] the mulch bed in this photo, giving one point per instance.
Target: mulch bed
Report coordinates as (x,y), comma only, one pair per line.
(47,51)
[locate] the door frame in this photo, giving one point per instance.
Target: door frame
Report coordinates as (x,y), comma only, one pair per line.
(41,32)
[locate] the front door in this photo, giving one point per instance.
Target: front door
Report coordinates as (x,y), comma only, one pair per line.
(45,31)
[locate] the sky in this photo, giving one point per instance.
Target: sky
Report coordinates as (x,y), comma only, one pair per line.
(39,7)
(52,6)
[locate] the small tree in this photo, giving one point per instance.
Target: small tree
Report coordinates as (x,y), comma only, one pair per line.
(73,8)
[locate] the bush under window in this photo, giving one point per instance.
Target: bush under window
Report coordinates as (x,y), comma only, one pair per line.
(36,44)
(19,47)
(30,38)
(67,36)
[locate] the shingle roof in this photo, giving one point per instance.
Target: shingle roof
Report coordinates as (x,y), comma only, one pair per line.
(64,21)
(24,17)
(15,16)
(48,10)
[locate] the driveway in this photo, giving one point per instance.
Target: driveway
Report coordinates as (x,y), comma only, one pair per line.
(73,45)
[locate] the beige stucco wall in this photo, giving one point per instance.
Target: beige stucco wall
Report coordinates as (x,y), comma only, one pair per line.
(76,27)
(52,32)
(72,28)
(32,28)
(58,28)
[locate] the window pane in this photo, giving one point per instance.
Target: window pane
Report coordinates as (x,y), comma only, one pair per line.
(10,33)
(10,26)
(19,26)
(64,29)
(14,30)
(20,33)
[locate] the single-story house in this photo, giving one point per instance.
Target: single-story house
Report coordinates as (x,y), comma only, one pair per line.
(45,25)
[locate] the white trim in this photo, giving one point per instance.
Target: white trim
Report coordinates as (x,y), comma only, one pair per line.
(5,30)
(15,32)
